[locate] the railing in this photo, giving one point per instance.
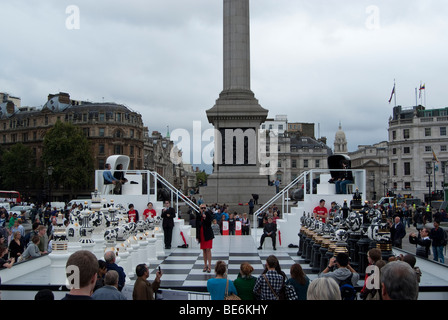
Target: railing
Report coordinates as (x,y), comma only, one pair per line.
(281,194)
(307,184)
(174,191)
(145,177)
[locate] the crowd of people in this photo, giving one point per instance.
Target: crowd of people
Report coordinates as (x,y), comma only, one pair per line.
(395,279)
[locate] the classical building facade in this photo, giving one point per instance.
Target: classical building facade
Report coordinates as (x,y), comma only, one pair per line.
(111,129)
(297,149)
(418,151)
(375,160)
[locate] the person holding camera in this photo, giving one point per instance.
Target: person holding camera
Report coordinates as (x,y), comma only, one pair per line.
(339,269)
(143,289)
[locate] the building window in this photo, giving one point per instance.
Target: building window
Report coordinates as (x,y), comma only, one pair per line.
(427,132)
(101,132)
(443,131)
(317,163)
(406,150)
(294,163)
(305,163)
(394,150)
(406,133)
(101,149)
(443,148)
(407,168)
(394,169)
(428,149)
(394,135)
(407,185)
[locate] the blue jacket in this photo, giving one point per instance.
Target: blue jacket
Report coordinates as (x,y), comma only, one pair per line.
(108,177)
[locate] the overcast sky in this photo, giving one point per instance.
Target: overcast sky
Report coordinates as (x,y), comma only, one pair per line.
(321,62)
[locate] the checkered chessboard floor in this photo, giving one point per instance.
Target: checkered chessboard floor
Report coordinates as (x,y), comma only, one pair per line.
(182,267)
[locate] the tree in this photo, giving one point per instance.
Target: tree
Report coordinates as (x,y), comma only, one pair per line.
(17,168)
(201,178)
(67,150)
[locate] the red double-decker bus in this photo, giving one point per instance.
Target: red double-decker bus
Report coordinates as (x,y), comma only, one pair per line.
(10,196)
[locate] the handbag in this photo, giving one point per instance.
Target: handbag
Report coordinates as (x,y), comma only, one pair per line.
(278,297)
(231,296)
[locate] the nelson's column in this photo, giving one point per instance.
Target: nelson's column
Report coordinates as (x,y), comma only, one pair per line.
(238,172)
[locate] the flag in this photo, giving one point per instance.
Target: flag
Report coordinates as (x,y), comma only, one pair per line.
(392,94)
(422,87)
(434,157)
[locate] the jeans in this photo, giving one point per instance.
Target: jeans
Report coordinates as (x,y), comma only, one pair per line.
(341,186)
(437,252)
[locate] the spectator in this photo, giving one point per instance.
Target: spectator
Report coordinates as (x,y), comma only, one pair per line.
(323,289)
(397,232)
(44,295)
(102,269)
(373,256)
(32,251)
(5,263)
(438,238)
(422,242)
(245,225)
(245,282)
(43,243)
(270,278)
(398,281)
(82,268)
(215,227)
(110,258)
(343,271)
(143,289)
(110,289)
(217,286)
(410,259)
(16,246)
(299,280)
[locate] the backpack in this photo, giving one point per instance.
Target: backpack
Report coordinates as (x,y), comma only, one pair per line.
(348,292)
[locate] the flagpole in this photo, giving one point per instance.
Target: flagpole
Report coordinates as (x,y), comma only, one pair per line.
(416,103)
(395,94)
(425,95)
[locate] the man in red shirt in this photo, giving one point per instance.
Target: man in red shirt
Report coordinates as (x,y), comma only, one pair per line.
(320,212)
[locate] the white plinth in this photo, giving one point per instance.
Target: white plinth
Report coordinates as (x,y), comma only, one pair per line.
(151,249)
(58,266)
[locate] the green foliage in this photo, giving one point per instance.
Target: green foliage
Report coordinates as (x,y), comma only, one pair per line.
(17,168)
(201,177)
(67,150)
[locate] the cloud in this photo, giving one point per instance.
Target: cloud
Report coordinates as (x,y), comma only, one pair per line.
(316,61)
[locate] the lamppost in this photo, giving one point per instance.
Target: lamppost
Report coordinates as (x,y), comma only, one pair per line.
(50,172)
(429,172)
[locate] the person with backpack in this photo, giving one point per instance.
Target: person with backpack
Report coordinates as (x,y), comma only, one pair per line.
(340,270)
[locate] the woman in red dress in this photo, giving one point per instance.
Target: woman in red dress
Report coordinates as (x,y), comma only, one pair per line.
(204,235)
